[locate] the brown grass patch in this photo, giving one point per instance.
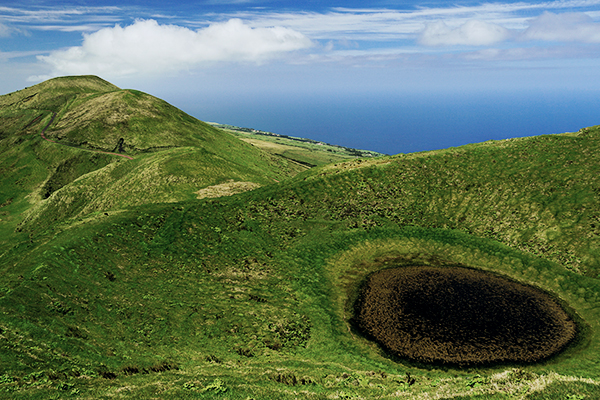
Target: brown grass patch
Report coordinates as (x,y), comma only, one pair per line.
(226,189)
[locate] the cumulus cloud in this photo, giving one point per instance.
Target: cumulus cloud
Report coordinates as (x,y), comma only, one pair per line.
(148,47)
(471,33)
(566,27)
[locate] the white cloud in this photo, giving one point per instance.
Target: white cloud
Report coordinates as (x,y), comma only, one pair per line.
(393,24)
(345,35)
(471,33)
(566,27)
(52,14)
(70,28)
(147,47)
(7,31)
(4,30)
(532,53)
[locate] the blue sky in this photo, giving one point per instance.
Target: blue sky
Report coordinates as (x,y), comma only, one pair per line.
(390,76)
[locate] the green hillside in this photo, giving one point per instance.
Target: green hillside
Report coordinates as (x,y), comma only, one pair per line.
(251,296)
(109,149)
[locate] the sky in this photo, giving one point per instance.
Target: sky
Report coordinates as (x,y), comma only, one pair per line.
(389,76)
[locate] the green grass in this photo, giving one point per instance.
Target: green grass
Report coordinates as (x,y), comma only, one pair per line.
(304,151)
(249,296)
(174,155)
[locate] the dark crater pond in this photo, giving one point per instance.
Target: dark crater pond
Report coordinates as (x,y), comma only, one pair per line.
(460,316)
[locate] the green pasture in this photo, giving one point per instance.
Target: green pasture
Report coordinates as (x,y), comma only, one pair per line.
(307,152)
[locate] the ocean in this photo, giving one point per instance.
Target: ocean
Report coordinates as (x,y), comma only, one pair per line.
(405,123)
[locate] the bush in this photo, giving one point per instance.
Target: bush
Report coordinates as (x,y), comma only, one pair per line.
(217,387)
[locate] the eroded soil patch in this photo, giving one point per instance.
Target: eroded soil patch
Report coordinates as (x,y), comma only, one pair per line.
(461,316)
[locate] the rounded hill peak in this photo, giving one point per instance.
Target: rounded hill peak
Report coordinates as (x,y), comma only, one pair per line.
(82,83)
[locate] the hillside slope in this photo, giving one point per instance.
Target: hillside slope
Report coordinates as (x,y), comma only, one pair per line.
(252,295)
(61,142)
(94,114)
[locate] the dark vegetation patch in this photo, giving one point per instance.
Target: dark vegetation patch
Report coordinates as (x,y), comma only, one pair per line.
(290,379)
(258,299)
(460,316)
(163,366)
(7,202)
(106,373)
(211,358)
(73,168)
(110,276)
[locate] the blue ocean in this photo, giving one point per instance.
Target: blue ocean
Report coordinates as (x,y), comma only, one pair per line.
(405,123)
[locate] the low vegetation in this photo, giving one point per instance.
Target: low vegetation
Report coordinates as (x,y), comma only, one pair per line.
(118,283)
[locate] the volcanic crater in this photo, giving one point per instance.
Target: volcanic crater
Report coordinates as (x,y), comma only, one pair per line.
(460,316)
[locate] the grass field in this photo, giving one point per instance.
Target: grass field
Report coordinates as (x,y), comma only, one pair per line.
(307,152)
(250,296)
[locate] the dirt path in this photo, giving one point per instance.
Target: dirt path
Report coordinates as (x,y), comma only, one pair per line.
(43,134)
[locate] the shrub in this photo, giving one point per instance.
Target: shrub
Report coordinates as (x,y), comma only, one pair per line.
(217,387)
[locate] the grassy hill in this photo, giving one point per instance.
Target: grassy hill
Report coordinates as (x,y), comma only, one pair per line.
(166,155)
(251,295)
